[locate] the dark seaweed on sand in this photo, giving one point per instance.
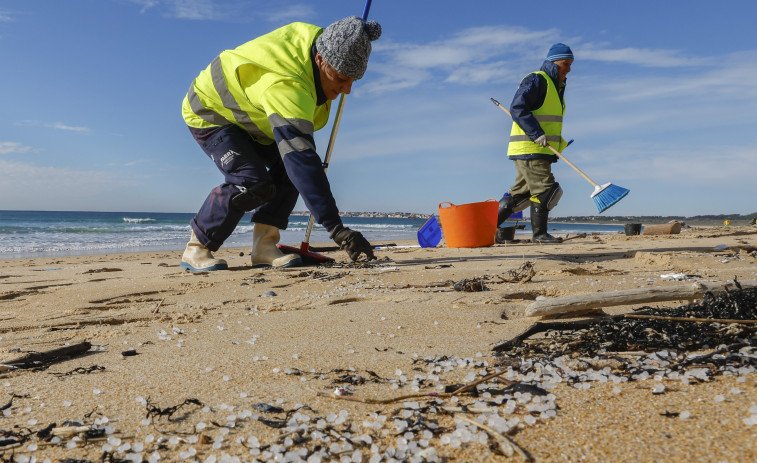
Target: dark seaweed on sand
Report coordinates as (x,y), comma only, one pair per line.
(622,334)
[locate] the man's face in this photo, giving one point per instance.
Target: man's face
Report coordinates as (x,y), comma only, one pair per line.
(563,67)
(332,81)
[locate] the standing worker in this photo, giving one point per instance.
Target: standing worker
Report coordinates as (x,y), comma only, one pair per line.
(537,111)
(253,111)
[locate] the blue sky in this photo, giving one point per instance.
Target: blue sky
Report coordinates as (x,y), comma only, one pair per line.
(661,100)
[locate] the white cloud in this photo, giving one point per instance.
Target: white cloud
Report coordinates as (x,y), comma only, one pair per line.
(5,17)
(54,125)
(716,81)
(61,126)
(184,9)
(195,9)
(473,45)
(145,4)
(290,13)
(494,54)
(660,58)
(9,147)
(482,73)
(390,79)
(227,10)
(472,56)
(494,37)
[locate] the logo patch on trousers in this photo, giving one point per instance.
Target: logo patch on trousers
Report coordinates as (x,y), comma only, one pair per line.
(228,157)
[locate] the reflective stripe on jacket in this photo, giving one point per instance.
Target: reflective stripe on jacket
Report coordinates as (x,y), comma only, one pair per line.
(260,85)
(549,116)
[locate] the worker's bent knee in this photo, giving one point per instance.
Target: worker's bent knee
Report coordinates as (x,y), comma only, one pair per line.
(250,198)
(549,198)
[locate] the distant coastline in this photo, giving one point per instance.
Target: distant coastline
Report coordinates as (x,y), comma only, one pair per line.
(700,220)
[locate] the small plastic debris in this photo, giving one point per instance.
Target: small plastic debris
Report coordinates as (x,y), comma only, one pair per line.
(720,247)
(268,294)
(674,276)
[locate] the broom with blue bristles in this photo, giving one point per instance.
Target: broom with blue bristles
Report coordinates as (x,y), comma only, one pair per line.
(604,196)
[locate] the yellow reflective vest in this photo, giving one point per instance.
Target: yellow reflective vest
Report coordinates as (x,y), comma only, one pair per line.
(270,77)
(549,116)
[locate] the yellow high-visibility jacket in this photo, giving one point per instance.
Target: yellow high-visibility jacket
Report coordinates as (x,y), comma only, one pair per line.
(550,117)
(270,87)
(258,84)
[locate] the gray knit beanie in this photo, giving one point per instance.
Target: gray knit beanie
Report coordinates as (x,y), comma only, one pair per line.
(346,45)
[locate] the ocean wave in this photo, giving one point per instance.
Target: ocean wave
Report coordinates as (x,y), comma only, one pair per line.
(138,219)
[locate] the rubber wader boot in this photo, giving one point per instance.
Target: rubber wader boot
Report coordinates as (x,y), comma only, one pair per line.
(198,258)
(265,253)
(506,205)
(539,216)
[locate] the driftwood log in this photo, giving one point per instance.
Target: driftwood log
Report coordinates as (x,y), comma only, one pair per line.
(672,228)
(581,302)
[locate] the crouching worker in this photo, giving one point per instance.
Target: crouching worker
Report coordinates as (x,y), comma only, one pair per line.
(537,111)
(253,111)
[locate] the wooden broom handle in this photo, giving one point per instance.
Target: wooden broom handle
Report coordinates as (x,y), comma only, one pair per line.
(332,139)
(559,154)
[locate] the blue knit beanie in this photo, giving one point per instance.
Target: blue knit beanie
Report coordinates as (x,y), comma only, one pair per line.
(559,51)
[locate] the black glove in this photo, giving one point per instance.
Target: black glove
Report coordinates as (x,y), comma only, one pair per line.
(354,243)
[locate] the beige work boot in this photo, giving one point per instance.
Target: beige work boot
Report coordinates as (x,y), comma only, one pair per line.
(265,253)
(197,258)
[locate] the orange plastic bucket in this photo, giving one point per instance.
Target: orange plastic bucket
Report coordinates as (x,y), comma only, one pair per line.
(469,225)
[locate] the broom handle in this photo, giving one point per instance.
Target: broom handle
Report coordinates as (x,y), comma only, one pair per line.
(332,137)
(559,154)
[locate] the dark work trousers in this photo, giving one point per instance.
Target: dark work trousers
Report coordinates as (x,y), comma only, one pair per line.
(242,161)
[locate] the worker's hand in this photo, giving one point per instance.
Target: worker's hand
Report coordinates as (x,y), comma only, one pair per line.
(541,140)
(353,242)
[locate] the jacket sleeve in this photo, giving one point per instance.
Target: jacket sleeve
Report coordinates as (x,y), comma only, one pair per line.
(294,138)
(529,97)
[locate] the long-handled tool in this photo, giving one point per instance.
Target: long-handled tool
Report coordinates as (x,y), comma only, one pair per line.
(304,249)
(604,196)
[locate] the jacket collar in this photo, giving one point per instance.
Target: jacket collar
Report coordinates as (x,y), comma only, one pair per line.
(320,96)
(551,69)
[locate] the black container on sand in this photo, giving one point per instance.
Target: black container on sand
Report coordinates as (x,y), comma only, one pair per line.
(505,234)
(632,229)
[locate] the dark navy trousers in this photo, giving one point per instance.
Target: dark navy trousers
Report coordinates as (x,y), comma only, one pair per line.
(242,161)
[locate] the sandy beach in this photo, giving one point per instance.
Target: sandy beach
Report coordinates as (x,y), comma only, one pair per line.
(314,363)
